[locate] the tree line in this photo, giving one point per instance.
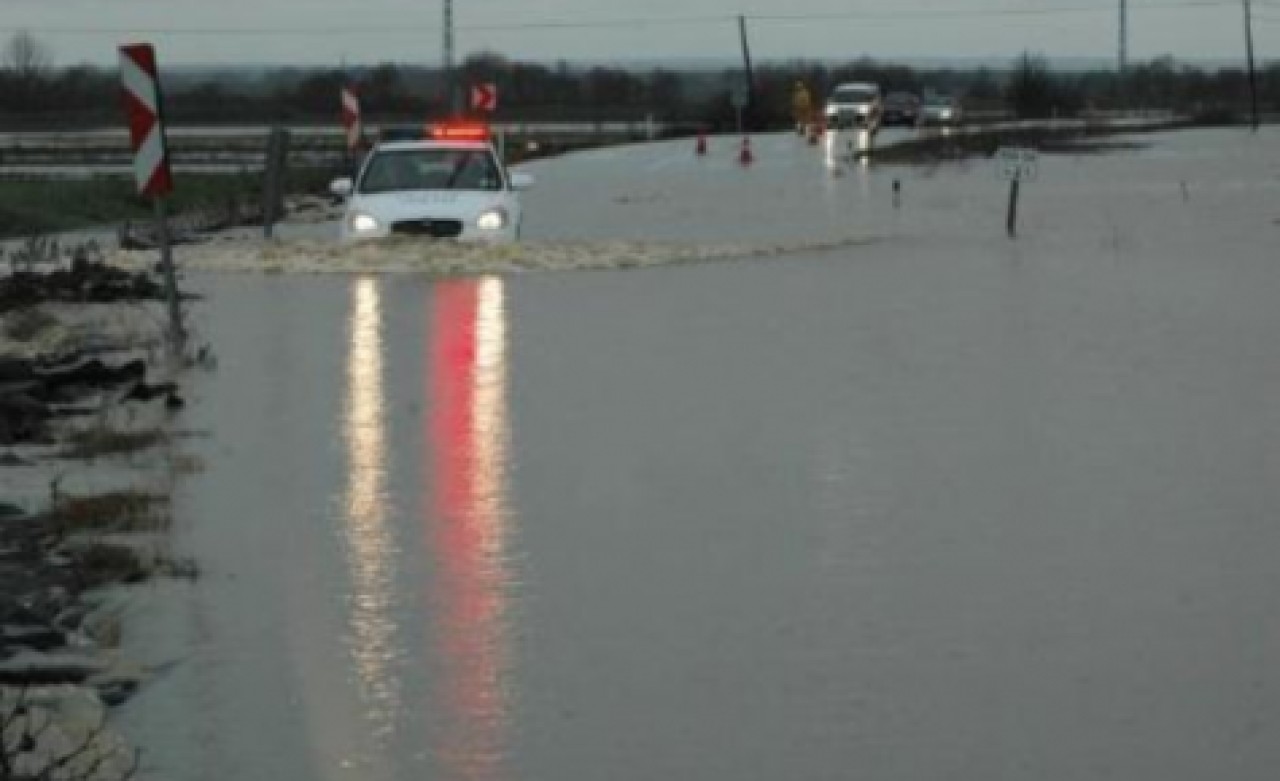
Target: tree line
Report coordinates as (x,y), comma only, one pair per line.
(35,92)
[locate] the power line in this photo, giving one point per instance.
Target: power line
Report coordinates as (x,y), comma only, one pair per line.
(982,12)
(380,30)
(1124,37)
(638,21)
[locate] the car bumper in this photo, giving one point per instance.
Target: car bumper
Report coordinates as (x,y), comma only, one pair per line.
(851,118)
(939,119)
(467,233)
(504,236)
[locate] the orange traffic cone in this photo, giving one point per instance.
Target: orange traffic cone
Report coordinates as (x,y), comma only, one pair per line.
(701,148)
(744,155)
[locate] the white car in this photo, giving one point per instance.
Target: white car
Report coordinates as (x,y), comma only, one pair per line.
(941,110)
(452,185)
(855,105)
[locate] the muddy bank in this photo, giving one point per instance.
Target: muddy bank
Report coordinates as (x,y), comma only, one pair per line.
(1074,138)
(88,395)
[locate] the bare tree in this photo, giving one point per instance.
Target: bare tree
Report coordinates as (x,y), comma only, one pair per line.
(26,59)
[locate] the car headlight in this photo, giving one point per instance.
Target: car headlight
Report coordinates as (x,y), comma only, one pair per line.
(362,223)
(492,220)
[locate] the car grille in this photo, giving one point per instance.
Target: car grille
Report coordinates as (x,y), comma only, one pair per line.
(849,117)
(438,229)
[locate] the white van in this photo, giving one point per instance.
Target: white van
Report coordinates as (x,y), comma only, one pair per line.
(855,104)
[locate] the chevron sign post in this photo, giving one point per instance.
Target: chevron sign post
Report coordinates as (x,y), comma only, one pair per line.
(351,119)
(484,97)
(146,127)
(141,82)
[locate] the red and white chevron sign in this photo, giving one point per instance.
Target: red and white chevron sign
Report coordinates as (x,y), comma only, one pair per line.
(484,97)
(351,118)
(140,79)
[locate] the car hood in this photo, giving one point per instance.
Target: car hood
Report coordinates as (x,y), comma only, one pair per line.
(436,204)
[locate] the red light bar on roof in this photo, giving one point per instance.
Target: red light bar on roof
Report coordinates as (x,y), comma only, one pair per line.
(458,131)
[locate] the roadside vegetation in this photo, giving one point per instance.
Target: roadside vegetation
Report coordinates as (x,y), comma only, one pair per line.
(35,93)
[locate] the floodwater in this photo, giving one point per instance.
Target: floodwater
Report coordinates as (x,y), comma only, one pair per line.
(944,506)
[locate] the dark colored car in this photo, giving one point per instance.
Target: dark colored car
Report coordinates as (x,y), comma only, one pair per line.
(901,108)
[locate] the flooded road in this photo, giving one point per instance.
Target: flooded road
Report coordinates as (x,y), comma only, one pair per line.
(949,507)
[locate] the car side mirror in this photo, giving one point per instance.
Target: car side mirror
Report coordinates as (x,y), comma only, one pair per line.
(341,187)
(521,181)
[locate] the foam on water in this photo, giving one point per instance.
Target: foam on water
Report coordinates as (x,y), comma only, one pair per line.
(404,255)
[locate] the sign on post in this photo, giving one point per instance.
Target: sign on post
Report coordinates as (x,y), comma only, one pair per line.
(145,112)
(1015,165)
(140,80)
(484,97)
(351,119)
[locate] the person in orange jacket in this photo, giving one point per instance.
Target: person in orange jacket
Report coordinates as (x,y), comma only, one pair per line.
(801,107)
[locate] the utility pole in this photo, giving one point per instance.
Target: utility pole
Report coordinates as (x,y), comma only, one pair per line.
(746,61)
(450,87)
(1253,75)
(1124,36)
(1124,51)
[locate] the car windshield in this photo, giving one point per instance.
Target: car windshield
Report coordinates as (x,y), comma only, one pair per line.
(854,95)
(431,169)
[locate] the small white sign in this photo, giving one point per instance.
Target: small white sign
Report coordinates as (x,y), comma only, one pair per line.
(1017,163)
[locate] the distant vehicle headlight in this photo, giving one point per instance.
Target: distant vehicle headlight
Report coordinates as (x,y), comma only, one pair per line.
(945,113)
(362,223)
(492,220)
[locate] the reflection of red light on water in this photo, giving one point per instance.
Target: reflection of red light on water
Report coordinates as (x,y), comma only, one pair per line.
(467,430)
(453,350)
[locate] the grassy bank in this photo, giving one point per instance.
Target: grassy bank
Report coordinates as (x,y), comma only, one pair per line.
(42,206)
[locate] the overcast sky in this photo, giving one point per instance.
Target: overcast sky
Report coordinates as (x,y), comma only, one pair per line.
(231,32)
